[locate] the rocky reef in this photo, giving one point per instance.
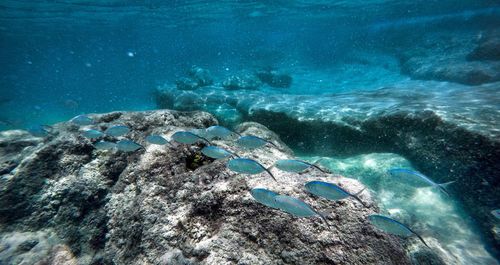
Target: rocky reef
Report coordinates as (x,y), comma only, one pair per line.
(447,131)
(460,59)
(64,202)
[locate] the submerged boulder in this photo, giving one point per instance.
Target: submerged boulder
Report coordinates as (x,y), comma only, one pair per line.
(459,71)
(274,79)
(202,76)
(488,49)
(243,80)
(185,83)
(156,206)
(197,77)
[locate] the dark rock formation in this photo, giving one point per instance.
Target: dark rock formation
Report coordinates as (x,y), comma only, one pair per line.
(202,76)
(447,132)
(185,83)
(451,57)
(242,81)
(488,49)
(67,203)
(459,71)
(197,77)
(274,78)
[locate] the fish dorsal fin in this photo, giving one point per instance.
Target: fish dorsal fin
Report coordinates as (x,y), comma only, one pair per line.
(446,184)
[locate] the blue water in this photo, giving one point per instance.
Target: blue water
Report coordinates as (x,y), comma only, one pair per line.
(64,58)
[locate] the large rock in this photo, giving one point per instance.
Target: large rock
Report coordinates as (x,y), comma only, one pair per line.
(64,202)
(445,69)
(448,131)
(244,80)
(450,57)
(274,79)
(488,49)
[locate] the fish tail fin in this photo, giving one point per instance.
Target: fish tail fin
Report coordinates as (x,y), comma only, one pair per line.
(359,200)
(359,192)
(317,161)
(205,139)
(323,216)
(235,154)
(239,135)
(273,144)
(443,186)
(421,239)
(271,174)
(318,168)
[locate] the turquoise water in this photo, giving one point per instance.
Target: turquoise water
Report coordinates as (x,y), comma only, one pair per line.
(65,58)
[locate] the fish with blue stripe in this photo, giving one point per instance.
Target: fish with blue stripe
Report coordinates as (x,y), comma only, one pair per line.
(247,166)
(416,179)
(117,130)
(220,132)
(265,196)
(331,191)
(216,152)
(92,134)
(128,146)
(296,207)
(295,166)
(392,226)
(156,139)
(82,120)
(253,142)
(185,137)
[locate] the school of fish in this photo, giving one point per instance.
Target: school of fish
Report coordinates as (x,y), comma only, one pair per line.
(115,140)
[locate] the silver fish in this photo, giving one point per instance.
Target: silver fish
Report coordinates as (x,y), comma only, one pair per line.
(247,166)
(117,130)
(185,137)
(104,145)
(216,152)
(252,142)
(295,166)
(92,134)
(156,139)
(264,196)
(392,226)
(128,146)
(330,191)
(82,120)
(296,207)
(221,132)
(39,130)
(416,179)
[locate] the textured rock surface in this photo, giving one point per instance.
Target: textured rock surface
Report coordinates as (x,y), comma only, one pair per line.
(274,78)
(455,58)
(244,80)
(448,131)
(65,203)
